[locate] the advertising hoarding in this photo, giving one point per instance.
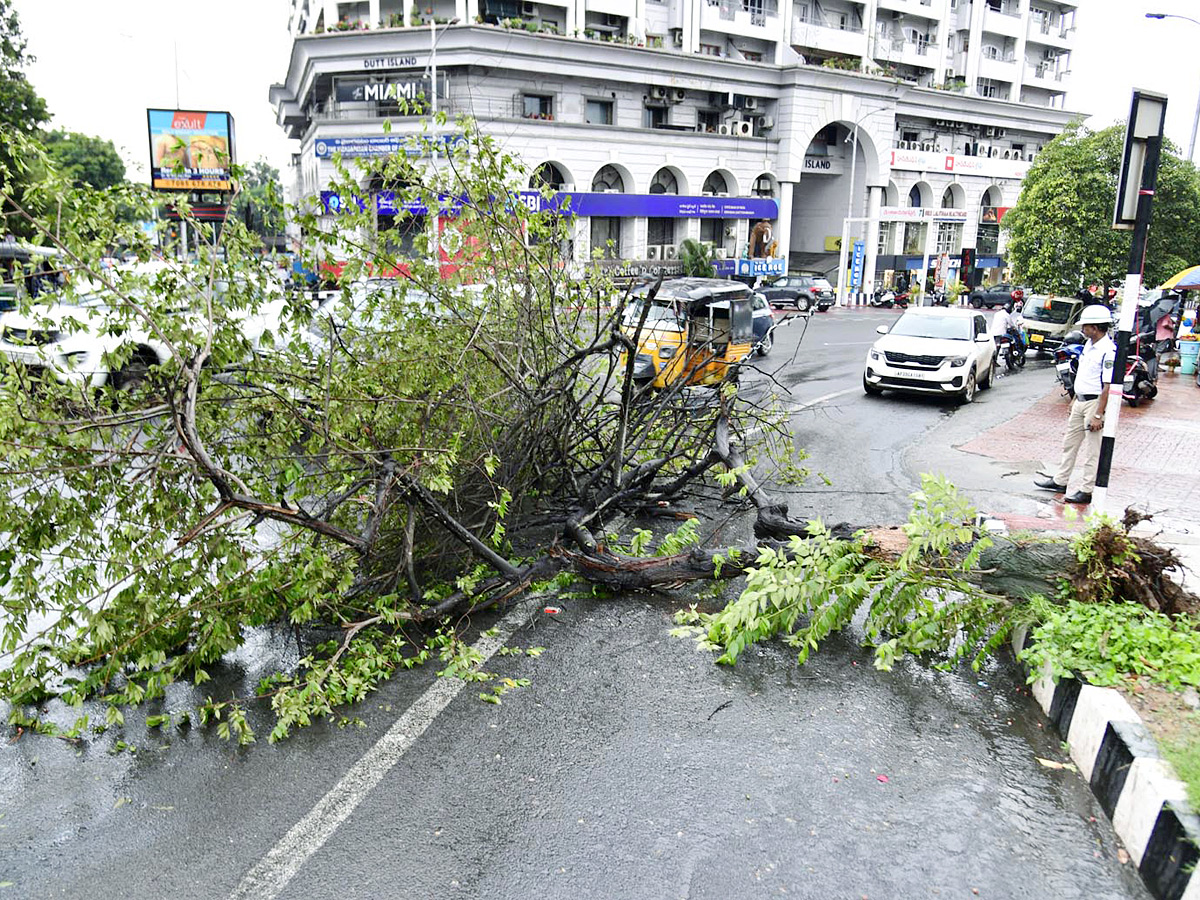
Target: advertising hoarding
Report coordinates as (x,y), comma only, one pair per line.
(190,150)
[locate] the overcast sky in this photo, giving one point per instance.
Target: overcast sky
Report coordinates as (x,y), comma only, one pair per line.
(101,64)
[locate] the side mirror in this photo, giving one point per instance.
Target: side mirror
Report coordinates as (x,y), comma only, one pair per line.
(983,338)
(882,329)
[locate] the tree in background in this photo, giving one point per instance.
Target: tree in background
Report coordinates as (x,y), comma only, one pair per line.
(21,109)
(258,202)
(86,160)
(1060,233)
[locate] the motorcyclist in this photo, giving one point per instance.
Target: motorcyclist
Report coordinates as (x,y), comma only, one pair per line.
(1008,322)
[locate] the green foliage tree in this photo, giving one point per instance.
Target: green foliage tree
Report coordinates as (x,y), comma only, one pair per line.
(22,111)
(254,460)
(696,259)
(90,161)
(259,200)
(1059,231)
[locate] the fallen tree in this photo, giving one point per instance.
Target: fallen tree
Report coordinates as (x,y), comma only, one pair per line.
(417,449)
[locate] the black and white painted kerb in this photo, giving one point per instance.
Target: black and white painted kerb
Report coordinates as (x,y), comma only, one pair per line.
(1134,784)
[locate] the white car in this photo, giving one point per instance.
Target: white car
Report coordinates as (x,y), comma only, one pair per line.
(73,339)
(933,350)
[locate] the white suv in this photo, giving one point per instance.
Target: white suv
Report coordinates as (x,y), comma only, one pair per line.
(933,350)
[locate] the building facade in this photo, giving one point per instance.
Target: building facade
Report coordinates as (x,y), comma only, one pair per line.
(908,121)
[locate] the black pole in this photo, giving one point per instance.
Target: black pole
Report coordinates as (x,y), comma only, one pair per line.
(1137,261)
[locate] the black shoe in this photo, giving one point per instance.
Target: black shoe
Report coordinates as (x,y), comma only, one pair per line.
(1051,485)
(1078,497)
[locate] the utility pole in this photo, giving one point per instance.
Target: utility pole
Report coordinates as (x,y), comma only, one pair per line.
(1135,195)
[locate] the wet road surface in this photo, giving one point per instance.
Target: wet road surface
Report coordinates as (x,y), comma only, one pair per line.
(632,766)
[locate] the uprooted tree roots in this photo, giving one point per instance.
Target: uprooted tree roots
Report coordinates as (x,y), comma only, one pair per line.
(1115,566)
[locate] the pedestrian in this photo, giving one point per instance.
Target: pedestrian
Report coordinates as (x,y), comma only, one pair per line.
(1086,418)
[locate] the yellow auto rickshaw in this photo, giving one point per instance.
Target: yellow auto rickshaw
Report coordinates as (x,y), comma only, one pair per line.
(691,330)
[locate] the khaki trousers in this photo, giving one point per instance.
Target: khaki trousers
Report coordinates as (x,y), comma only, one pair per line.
(1076,437)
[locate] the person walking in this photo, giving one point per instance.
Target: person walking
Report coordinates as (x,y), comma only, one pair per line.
(1085,422)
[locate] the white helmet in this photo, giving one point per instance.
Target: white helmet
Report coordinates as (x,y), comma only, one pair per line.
(1095,314)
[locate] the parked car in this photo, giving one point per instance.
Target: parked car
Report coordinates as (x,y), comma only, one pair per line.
(1048,319)
(996,295)
(804,292)
(933,350)
(764,324)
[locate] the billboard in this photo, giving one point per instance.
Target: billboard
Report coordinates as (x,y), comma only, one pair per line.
(190,150)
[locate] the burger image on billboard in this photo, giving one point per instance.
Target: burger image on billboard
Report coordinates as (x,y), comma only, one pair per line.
(190,150)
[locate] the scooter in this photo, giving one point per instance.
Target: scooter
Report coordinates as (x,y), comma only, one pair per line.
(1008,350)
(1066,360)
(887,298)
(1139,385)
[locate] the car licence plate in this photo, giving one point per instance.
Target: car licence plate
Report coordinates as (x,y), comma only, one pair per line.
(1035,338)
(909,373)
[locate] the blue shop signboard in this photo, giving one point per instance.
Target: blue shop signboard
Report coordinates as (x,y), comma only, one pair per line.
(665,206)
(856,266)
(385,145)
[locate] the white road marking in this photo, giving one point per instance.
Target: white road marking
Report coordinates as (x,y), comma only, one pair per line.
(846,343)
(273,872)
(758,429)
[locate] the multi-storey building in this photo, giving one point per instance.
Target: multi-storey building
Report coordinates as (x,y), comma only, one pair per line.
(912,121)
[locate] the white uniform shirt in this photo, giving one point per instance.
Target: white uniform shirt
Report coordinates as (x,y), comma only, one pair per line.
(1095,366)
(1002,322)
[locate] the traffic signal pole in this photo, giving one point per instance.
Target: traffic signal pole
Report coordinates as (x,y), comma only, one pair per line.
(1146,180)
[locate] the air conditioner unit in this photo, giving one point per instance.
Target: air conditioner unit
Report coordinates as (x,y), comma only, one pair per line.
(718,253)
(678,95)
(995,154)
(901,145)
(669,251)
(653,252)
(721,194)
(1017,155)
(928,147)
(766,123)
(677,37)
(745,129)
(1007,154)
(749,103)
(528,9)
(1000,132)
(730,231)
(724,128)
(707,194)
(658,93)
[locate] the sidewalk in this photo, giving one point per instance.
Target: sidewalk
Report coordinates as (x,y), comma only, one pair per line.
(1156,464)
(1156,469)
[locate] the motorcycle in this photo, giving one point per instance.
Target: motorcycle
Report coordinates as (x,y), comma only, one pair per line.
(1066,360)
(1139,383)
(1010,352)
(887,298)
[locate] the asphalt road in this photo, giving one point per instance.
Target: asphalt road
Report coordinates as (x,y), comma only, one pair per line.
(631,766)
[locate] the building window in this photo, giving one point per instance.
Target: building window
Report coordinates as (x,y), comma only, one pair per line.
(537,106)
(712,231)
(986,87)
(398,234)
(599,112)
(949,237)
(987,240)
(715,183)
(914,196)
(884,247)
(654,117)
(660,231)
(708,121)
(608,179)
(664,182)
(606,230)
(548,175)
(752,56)
(710,50)
(914,238)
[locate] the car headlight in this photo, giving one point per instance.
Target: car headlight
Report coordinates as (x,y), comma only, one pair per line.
(875,354)
(666,351)
(956,361)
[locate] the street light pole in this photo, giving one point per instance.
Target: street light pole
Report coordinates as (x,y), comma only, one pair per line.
(1196,117)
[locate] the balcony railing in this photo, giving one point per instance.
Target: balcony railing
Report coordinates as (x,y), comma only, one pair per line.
(809,17)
